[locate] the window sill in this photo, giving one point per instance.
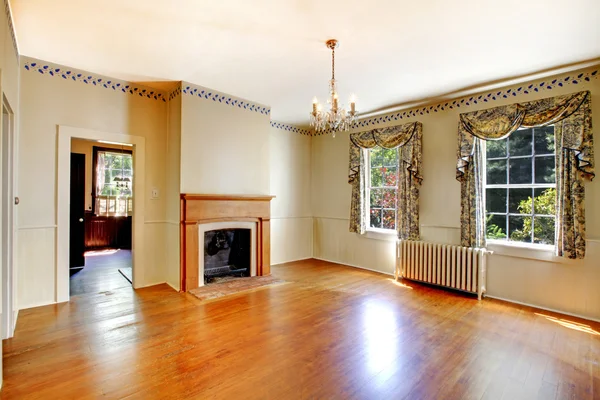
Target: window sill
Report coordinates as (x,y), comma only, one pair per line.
(381,234)
(537,252)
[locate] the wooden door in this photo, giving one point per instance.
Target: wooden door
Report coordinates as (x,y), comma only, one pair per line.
(77,222)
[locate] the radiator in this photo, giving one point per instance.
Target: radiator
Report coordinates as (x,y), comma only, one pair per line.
(456,267)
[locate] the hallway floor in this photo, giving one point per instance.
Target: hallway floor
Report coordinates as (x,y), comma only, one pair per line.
(101,272)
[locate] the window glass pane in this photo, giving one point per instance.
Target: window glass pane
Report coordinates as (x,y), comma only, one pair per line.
(390,176)
(496,227)
(496,172)
(389,219)
(544,140)
(520,170)
(376,177)
(518,229)
(519,143)
(389,198)
(545,171)
(376,197)
(544,202)
(495,200)
(543,230)
(376,157)
(520,201)
(390,157)
(496,148)
(376,217)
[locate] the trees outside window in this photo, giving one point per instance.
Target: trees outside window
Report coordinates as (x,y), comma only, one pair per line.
(382,188)
(521,187)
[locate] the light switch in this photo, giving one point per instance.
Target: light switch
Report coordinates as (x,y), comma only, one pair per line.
(155,193)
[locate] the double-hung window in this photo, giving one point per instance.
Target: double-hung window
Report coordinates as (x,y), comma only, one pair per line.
(113,182)
(520,187)
(381,188)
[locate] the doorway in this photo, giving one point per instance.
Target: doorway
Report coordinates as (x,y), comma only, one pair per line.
(138,145)
(8,223)
(101,209)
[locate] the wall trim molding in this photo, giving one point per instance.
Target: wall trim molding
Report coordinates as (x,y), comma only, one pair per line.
(294,260)
(480,95)
(542,308)
(11,28)
(307,217)
(209,94)
(291,128)
(32,227)
(67,73)
(354,266)
(166,222)
(334,218)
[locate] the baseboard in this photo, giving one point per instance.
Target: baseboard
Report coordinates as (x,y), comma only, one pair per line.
(543,308)
(173,287)
(355,266)
(15,316)
(290,261)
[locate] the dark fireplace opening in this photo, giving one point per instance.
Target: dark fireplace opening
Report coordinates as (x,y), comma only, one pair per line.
(226,254)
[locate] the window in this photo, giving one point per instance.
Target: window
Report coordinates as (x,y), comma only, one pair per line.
(521,187)
(112,182)
(382,188)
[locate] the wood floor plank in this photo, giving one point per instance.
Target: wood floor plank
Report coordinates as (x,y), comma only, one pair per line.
(332,332)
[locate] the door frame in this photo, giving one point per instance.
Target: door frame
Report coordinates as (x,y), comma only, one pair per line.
(65,134)
(7,179)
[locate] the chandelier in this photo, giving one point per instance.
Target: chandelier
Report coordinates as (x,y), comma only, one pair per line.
(337,118)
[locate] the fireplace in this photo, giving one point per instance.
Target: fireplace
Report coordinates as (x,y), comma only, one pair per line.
(239,217)
(226,249)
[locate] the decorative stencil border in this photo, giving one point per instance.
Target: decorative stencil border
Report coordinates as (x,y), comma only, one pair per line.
(546,85)
(11,27)
(291,128)
(176,92)
(215,96)
(88,79)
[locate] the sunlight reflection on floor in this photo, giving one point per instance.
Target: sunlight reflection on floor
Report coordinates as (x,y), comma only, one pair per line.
(571,324)
(380,335)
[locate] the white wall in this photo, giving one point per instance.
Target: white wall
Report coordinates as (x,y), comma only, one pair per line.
(47,102)
(291,214)
(568,286)
(224,148)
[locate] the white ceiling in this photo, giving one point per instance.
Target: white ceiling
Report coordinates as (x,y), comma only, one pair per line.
(272,51)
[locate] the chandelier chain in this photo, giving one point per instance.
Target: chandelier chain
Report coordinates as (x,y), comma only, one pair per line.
(333,64)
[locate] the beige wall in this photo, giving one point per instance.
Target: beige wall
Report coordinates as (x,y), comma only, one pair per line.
(291,214)
(86,147)
(224,149)
(568,286)
(47,102)
(172,189)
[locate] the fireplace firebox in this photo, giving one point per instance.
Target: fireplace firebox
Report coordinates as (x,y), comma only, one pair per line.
(227,253)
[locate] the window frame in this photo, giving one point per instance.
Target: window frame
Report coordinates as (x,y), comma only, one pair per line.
(367,202)
(95,150)
(508,186)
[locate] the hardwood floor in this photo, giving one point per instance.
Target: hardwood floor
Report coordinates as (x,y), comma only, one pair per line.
(101,272)
(333,332)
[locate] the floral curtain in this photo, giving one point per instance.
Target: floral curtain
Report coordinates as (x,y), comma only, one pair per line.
(408,138)
(571,116)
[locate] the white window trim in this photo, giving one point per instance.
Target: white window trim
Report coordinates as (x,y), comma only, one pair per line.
(511,248)
(374,233)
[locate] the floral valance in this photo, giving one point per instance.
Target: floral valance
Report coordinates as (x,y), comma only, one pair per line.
(499,122)
(571,116)
(408,136)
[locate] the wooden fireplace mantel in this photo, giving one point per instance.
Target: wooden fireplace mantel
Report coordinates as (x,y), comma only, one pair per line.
(205,208)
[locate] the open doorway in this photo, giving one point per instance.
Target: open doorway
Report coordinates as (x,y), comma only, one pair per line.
(101,210)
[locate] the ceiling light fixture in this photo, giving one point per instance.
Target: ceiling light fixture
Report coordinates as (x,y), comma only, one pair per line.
(337,118)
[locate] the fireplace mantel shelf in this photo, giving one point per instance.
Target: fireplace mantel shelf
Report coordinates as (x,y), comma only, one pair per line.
(209,208)
(235,197)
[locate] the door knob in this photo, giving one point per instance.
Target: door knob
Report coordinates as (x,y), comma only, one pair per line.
(80,219)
